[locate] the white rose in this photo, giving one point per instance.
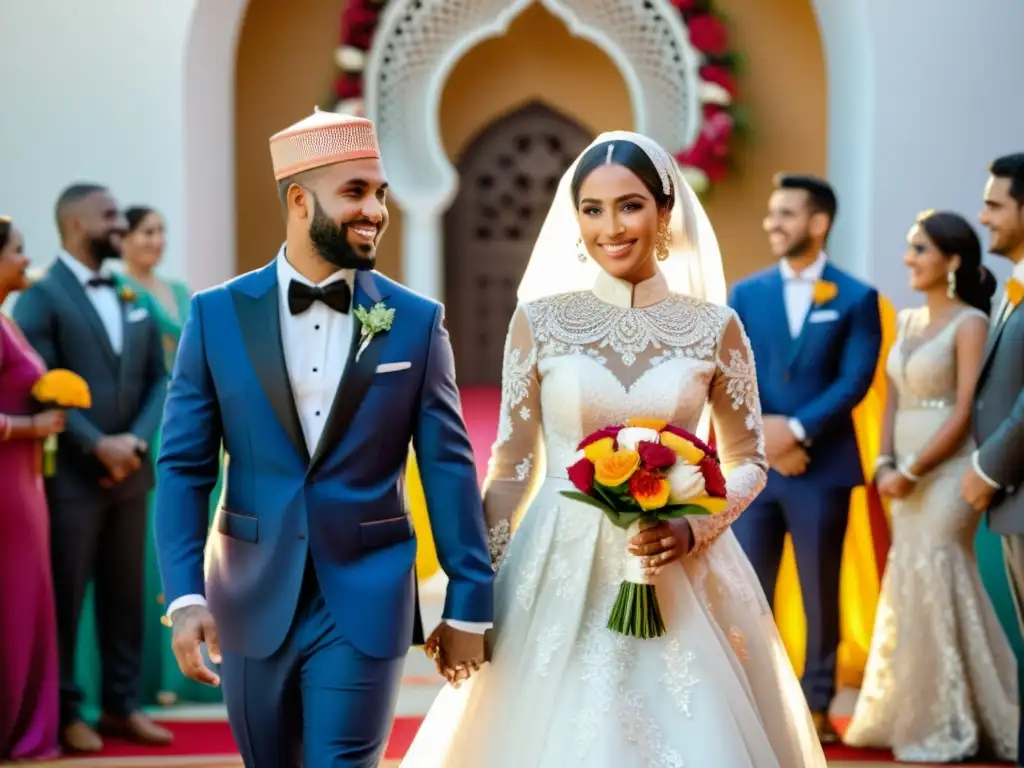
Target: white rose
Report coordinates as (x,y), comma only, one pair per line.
(630,437)
(685,482)
(713,93)
(350,59)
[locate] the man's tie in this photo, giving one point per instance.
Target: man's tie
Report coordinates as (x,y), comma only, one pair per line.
(337,296)
(100,281)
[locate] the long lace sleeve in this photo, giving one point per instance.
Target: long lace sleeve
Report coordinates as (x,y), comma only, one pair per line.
(736,416)
(517,450)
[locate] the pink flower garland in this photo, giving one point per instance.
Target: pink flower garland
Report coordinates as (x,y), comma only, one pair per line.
(704,162)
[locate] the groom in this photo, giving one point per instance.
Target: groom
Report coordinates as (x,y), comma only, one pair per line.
(816,335)
(994,480)
(316,372)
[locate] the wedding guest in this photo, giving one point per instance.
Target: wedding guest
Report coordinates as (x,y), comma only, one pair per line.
(28,635)
(941,678)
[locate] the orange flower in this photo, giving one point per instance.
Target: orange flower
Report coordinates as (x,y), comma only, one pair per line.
(825,291)
(1014,291)
(126,293)
(600,448)
(648,490)
(656,424)
(683,448)
(62,388)
(616,468)
(712,504)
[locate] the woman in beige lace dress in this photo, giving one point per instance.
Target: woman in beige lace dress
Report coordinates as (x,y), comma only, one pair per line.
(607,332)
(941,679)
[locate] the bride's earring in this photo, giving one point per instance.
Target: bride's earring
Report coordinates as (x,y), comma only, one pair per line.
(581,254)
(951,284)
(662,242)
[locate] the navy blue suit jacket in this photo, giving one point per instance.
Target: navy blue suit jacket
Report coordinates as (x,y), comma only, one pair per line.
(344,506)
(819,377)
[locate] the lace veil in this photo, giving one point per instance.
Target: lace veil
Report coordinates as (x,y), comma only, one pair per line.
(694,263)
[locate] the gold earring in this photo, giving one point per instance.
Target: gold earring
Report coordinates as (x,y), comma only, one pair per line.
(951,284)
(580,253)
(662,242)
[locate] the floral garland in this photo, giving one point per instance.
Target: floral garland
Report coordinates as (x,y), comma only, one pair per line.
(703,163)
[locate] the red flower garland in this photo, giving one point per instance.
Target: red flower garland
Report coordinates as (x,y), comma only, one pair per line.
(709,35)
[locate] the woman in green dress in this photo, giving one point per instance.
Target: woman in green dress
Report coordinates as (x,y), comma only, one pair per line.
(168,303)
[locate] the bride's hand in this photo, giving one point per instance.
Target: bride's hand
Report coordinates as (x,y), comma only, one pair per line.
(661,545)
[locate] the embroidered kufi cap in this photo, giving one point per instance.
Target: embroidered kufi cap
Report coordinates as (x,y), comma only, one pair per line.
(322,139)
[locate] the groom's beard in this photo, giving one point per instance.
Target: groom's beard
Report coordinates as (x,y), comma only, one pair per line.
(331,242)
(799,248)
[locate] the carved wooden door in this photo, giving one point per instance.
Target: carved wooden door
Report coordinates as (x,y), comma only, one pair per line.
(508,177)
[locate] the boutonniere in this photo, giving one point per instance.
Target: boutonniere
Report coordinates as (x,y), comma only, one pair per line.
(1014,291)
(825,291)
(376,319)
(126,293)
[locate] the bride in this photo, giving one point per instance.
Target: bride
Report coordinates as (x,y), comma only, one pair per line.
(609,328)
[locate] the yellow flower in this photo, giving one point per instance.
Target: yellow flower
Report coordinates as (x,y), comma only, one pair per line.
(616,468)
(682,447)
(649,490)
(62,388)
(656,424)
(126,293)
(825,291)
(713,504)
(1014,291)
(600,448)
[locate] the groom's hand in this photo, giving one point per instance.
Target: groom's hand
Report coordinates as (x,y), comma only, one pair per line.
(192,626)
(458,654)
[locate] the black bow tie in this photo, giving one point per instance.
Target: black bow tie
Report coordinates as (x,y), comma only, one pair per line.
(100,282)
(337,296)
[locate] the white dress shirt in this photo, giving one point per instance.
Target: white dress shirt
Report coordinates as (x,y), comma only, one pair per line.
(103,298)
(316,347)
(798,295)
(998,319)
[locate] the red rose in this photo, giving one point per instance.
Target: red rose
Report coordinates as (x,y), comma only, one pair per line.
(358,23)
(720,76)
(697,442)
(655,455)
(708,34)
(348,86)
(581,474)
(714,480)
(687,5)
(601,434)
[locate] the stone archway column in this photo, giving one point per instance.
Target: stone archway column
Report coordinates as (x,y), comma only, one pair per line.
(423,250)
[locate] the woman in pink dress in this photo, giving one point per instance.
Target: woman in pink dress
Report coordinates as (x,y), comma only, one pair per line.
(28,635)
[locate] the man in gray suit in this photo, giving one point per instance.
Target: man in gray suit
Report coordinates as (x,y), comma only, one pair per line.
(994,481)
(81,318)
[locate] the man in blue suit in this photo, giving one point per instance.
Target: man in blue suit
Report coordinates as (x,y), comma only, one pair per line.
(816,335)
(316,372)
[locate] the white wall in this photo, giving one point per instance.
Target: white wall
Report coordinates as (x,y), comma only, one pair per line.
(923,95)
(92,91)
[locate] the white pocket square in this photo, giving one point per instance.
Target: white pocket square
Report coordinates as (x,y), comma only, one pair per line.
(823,316)
(139,313)
(392,367)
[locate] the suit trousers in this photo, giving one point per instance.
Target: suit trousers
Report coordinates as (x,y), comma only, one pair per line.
(1013,559)
(316,702)
(100,539)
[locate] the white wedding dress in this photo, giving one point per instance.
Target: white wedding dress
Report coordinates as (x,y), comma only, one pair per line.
(717,691)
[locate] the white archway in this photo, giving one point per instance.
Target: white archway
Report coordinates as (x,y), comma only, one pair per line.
(418,44)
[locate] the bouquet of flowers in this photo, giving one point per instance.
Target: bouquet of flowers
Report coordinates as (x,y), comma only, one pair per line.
(59,388)
(640,474)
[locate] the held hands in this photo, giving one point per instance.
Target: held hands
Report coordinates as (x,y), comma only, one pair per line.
(49,423)
(975,491)
(192,626)
(121,455)
(791,463)
(662,544)
(456,653)
(892,484)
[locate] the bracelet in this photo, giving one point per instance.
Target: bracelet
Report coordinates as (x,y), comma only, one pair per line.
(884,461)
(905,472)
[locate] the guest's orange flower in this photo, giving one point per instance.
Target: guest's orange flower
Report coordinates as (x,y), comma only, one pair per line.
(1014,291)
(600,448)
(126,293)
(656,424)
(61,388)
(648,490)
(616,468)
(825,291)
(683,448)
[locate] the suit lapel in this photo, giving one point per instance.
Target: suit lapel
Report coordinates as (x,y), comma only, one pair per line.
(76,293)
(827,274)
(358,376)
(993,340)
(259,317)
